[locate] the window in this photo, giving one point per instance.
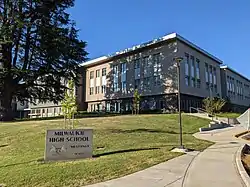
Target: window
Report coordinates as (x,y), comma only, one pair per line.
(124,85)
(123,76)
(197,68)
(156,64)
(137,68)
(115,69)
(115,87)
(214,76)
(157,80)
(206,72)
(108,107)
(137,83)
(97,89)
(186,64)
(211,74)
(233,86)
(192,66)
(115,77)
(187,69)
(103,89)
(207,85)
(198,84)
(91,90)
(157,69)
(187,81)
(97,73)
(146,82)
(137,64)
(123,68)
(91,75)
(147,66)
(215,88)
(193,82)
(104,71)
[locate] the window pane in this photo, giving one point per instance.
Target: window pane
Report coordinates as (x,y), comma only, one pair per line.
(91,74)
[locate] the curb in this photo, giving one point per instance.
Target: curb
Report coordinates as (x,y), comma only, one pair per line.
(243,174)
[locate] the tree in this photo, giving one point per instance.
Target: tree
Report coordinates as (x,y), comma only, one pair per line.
(208,105)
(213,105)
(39,48)
(218,104)
(69,106)
(136,102)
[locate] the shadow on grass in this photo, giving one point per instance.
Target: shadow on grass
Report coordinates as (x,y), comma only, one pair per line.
(144,130)
(4,145)
(124,151)
(40,160)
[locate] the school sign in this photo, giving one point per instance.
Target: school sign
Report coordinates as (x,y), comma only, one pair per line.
(67,144)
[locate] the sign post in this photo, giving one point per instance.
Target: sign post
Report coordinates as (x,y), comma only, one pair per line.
(68,144)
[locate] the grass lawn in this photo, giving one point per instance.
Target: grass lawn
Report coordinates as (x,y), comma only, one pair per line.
(228,115)
(131,143)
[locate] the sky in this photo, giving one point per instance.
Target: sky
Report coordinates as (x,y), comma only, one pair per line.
(221,27)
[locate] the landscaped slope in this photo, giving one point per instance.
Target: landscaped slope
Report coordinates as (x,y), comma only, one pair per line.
(127,144)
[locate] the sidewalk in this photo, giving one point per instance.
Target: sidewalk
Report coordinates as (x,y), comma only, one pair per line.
(213,167)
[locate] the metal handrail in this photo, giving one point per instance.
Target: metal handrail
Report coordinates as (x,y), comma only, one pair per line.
(199,110)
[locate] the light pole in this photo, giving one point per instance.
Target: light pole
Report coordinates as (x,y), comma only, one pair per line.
(178,61)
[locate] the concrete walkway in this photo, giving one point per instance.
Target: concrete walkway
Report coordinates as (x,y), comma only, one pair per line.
(213,167)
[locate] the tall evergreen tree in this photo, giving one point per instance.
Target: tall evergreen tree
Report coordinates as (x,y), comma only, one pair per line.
(39,47)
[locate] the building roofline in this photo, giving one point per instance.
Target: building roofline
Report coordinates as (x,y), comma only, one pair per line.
(232,70)
(150,43)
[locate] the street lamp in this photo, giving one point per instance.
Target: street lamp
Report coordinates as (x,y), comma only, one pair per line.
(178,61)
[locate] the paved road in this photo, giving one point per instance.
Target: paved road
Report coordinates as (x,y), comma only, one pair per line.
(214,167)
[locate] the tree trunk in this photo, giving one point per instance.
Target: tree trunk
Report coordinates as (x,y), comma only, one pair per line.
(6,112)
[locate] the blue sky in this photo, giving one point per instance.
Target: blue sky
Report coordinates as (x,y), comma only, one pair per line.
(221,27)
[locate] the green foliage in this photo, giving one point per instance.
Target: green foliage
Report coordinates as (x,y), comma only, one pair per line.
(39,48)
(69,106)
(213,105)
(136,102)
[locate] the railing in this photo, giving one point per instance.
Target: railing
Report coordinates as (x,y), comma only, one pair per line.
(198,110)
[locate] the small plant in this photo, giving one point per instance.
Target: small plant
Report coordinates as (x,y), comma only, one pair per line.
(69,106)
(136,102)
